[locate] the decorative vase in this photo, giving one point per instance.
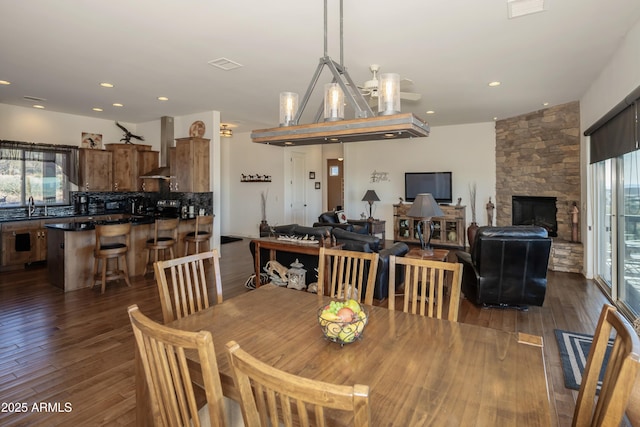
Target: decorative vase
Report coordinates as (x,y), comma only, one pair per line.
(264,228)
(471,234)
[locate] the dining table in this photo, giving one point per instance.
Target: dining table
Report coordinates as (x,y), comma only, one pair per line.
(420,370)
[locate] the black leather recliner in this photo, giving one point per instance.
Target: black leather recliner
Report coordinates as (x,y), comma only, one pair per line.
(507,266)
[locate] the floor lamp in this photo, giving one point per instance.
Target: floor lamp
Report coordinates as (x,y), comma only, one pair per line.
(424,208)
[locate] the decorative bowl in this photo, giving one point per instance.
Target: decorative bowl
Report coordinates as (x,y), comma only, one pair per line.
(336,327)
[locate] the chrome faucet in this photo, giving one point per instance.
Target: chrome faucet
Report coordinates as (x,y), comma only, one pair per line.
(31,206)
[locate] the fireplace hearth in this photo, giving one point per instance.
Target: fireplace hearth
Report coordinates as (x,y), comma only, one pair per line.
(535,210)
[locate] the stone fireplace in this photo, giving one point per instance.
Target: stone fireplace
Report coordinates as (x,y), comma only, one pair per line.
(538,156)
(534,210)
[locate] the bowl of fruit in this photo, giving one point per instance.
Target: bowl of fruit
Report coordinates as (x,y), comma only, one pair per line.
(342,321)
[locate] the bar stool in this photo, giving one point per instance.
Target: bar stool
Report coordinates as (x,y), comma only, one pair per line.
(165,237)
(201,234)
(112,242)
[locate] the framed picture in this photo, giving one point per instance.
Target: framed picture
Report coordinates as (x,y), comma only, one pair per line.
(317,185)
(91,140)
(312,175)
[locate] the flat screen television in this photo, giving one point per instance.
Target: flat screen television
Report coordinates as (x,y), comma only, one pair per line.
(436,183)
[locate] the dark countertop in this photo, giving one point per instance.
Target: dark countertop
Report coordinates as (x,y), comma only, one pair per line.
(91,225)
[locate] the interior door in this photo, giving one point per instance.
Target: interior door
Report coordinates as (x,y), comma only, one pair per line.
(335,184)
(298,189)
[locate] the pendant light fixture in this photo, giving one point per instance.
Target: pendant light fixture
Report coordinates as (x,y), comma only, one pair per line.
(366,125)
(225,131)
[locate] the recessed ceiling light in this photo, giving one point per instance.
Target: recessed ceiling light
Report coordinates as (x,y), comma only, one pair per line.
(4,82)
(288,143)
(117,104)
(105,84)
(494,84)
(545,103)
(431,112)
(495,119)
(97,109)
(163,98)
(389,135)
(41,107)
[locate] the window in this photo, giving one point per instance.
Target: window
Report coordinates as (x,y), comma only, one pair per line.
(42,171)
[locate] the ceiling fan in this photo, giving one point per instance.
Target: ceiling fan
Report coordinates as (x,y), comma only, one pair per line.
(370,87)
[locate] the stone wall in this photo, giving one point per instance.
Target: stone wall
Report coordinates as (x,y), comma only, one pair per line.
(538,154)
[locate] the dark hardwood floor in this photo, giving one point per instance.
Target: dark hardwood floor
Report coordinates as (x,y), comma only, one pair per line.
(74,351)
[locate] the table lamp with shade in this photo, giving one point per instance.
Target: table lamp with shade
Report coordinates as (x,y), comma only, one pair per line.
(370,196)
(424,208)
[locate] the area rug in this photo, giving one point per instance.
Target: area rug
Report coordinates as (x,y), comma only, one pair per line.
(229,239)
(574,351)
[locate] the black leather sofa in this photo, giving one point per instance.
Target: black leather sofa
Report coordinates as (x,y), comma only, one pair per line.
(507,266)
(330,219)
(350,240)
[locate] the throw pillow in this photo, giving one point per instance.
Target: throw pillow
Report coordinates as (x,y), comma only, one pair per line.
(342,217)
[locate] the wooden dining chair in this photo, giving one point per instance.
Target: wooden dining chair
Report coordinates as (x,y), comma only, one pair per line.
(350,274)
(268,395)
(171,390)
(425,283)
(200,235)
(183,285)
(165,236)
(621,372)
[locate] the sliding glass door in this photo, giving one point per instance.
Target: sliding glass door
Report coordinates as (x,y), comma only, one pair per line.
(604,187)
(617,222)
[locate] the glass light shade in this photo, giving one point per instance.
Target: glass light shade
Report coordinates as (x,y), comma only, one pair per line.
(389,94)
(288,108)
(333,102)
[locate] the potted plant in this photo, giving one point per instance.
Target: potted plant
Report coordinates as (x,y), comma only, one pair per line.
(264,225)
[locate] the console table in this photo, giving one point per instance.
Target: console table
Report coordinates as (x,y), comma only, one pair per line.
(375,226)
(274,245)
(448,232)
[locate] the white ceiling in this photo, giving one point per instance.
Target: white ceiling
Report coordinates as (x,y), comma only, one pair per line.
(62,50)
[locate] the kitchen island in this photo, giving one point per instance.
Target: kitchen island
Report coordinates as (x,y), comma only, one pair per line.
(70,249)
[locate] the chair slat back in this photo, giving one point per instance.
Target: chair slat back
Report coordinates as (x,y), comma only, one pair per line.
(271,397)
(110,233)
(166,228)
(171,391)
(425,286)
(183,286)
(203,224)
(347,277)
(620,375)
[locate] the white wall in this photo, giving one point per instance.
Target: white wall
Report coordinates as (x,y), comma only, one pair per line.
(240,204)
(615,82)
(48,127)
(466,150)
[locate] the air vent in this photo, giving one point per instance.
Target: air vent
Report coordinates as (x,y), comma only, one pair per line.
(34,99)
(519,8)
(224,64)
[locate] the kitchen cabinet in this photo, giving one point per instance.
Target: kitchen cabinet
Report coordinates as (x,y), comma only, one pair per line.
(147,161)
(129,161)
(23,242)
(95,169)
(191,166)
